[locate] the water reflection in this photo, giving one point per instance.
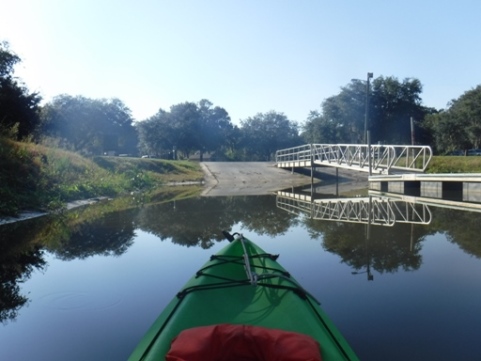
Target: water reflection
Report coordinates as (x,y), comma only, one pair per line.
(385,250)
(110,235)
(378,210)
(369,234)
(352,233)
(18,260)
(200,221)
(86,233)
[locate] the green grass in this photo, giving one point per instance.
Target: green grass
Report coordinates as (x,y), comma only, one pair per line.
(37,177)
(453,164)
(161,170)
(33,176)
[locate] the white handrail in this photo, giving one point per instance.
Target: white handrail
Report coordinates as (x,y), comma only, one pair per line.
(380,158)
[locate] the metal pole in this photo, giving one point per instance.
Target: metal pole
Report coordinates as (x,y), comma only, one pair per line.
(412,136)
(312,168)
(412,131)
(369,155)
(366,110)
(337,182)
(370,277)
(312,173)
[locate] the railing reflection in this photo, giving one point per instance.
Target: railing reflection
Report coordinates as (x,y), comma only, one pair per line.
(379,211)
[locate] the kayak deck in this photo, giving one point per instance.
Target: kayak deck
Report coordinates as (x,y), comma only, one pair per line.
(243,285)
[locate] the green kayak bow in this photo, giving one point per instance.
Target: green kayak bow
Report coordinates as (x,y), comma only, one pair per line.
(246,287)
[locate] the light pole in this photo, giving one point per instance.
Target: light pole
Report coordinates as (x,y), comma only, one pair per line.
(370,276)
(366,110)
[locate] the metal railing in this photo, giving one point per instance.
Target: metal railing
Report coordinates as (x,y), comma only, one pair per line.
(380,159)
(300,153)
(375,211)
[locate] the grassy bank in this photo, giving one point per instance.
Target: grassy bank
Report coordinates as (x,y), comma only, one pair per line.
(37,177)
(451,164)
(42,178)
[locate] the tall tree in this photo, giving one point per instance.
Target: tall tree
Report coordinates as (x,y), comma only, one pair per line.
(186,122)
(215,129)
(458,127)
(19,109)
(320,129)
(91,126)
(156,136)
(8,59)
(391,105)
(346,110)
(187,127)
(265,133)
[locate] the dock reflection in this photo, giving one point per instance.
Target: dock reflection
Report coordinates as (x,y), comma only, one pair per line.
(400,222)
(375,210)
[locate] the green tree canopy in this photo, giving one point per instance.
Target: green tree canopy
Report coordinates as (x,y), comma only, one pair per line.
(320,129)
(19,109)
(156,134)
(458,127)
(7,60)
(216,127)
(265,133)
(391,104)
(188,127)
(91,126)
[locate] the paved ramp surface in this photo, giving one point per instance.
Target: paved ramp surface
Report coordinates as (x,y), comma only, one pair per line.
(258,178)
(247,178)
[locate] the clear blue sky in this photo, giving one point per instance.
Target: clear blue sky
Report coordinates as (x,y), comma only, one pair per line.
(247,56)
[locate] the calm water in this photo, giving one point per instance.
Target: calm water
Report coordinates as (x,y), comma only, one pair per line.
(401,291)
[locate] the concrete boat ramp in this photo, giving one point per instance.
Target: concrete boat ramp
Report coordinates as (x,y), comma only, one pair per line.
(247,178)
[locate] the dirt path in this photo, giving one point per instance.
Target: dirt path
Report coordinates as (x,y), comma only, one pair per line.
(258,178)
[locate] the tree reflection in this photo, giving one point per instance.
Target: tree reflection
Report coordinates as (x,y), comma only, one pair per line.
(104,230)
(461,228)
(200,221)
(260,215)
(17,262)
(388,249)
(109,235)
(71,236)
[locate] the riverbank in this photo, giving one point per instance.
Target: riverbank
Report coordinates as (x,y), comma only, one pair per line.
(24,215)
(35,177)
(43,178)
(236,179)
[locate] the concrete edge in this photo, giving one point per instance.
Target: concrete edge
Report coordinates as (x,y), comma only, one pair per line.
(210,181)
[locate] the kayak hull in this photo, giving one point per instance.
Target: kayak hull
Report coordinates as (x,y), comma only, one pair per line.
(254,290)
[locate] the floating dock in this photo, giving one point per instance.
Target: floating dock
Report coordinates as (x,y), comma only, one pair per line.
(465,187)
